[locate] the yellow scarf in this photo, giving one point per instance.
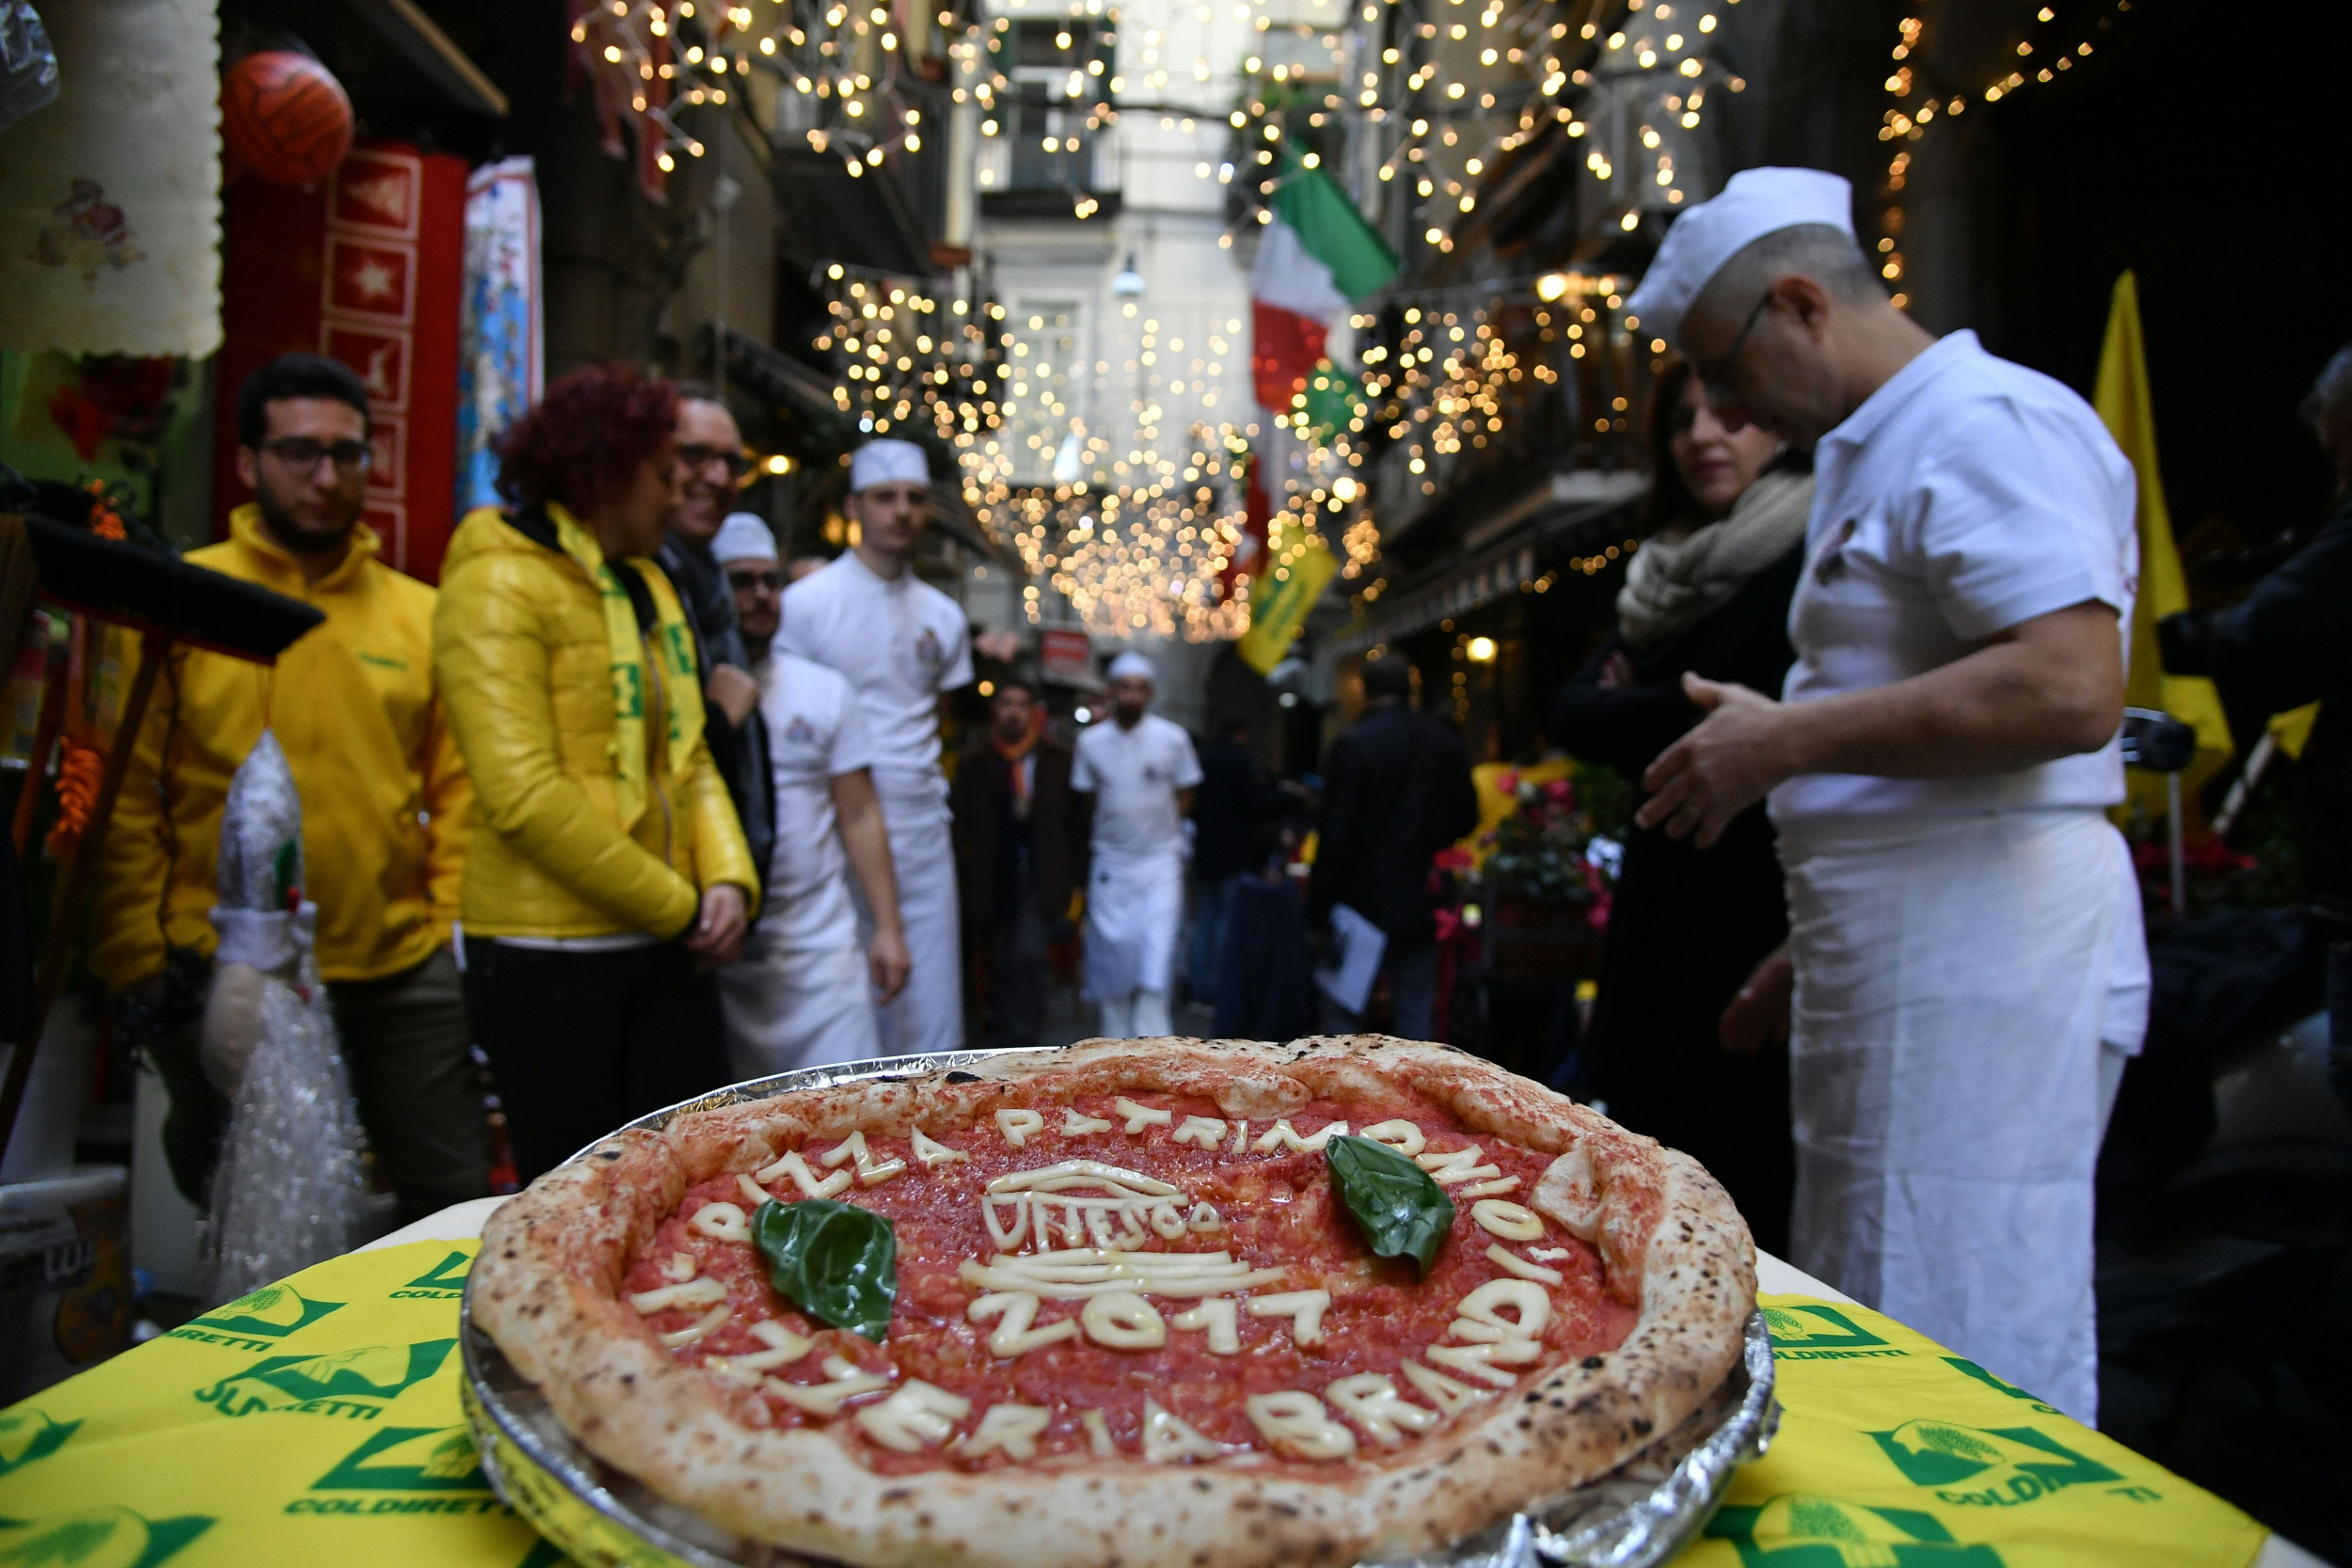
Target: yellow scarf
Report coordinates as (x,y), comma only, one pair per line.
(672,645)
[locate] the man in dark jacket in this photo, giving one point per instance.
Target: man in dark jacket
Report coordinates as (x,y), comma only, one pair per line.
(2288,642)
(1396,790)
(710,461)
(1230,812)
(1019,848)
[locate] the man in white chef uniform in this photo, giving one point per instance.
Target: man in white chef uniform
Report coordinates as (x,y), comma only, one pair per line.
(1965,949)
(803,992)
(1140,771)
(901,644)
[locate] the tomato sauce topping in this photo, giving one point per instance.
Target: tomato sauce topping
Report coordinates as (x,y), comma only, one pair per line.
(1272,1208)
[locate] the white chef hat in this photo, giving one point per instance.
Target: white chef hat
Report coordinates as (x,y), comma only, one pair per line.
(1754,202)
(1133,666)
(888,462)
(743,536)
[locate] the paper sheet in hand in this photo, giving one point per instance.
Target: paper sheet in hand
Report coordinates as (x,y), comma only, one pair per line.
(1357,945)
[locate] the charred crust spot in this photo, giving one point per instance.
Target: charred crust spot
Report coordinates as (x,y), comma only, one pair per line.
(898,1494)
(960,1076)
(1288,1510)
(607,1153)
(1200,1484)
(1591,1363)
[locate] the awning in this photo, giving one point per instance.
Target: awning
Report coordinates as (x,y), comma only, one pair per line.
(1513,543)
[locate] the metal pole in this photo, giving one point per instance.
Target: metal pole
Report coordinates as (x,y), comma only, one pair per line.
(2179,855)
(154,649)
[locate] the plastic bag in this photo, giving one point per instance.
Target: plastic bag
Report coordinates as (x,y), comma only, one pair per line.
(29,66)
(288,1189)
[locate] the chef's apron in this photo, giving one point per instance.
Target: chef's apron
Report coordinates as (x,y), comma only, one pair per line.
(1135,904)
(1955,978)
(791,1009)
(927,1014)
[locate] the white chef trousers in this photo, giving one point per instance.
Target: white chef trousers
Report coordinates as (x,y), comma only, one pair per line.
(785,1011)
(927,1014)
(1134,910)
(1955,981)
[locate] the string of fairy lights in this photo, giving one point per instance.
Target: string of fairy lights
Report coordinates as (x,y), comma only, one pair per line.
(1916,106)
(1139,539)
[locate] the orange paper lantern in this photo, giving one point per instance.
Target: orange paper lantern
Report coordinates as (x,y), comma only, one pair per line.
(284,117)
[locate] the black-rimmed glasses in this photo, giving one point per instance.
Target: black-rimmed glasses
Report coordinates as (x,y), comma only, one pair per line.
(1712,375)
(304,454)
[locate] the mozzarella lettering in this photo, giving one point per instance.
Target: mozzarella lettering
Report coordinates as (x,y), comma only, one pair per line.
(1304,1308)
(1122,1320)
(1011,1430)
(1372,1402)
(1221,1318)
(1511,1221)
(1140,1117)
(1297,1422)
(1018,1126)
(1168,1440)
(913,1416)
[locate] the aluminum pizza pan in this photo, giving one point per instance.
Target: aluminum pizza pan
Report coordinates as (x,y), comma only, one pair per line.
(1638,1516)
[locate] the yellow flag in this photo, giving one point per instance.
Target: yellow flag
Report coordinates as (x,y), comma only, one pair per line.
(2124,406)
(1279,607)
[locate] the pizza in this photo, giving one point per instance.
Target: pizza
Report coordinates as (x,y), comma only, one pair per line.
(1216,1304)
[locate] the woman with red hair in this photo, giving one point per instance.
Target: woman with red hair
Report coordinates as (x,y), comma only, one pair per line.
(606,874)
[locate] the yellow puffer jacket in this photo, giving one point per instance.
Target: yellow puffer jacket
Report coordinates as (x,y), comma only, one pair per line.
(519,649)
(384,795)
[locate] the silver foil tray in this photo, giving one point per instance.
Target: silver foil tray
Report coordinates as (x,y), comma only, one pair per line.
(1639,1514)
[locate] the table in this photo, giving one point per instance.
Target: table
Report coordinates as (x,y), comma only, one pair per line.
(317,1421)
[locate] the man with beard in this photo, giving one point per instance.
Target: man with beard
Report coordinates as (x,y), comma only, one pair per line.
(1017,856)
(799,995)
(385,801)
(710,463)
(1138,773)
(903,644)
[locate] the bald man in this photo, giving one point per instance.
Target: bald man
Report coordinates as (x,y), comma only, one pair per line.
(1964,949)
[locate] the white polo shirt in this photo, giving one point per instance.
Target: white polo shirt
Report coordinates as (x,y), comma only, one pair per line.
(1964,497)
(815,733)
(1133,776)
(901,642)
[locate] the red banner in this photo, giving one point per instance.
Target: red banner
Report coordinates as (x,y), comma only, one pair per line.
(368,269)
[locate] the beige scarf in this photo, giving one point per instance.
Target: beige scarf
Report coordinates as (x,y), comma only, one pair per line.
(1673,585)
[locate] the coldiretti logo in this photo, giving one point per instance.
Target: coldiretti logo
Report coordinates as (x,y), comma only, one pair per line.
(405,1470)
(97,1538)
(28,1435)
(1799,1530)
(356,1383)
(252,1321)
(445,1281)
(1815,1333)
(409,1459)
(1996,1468)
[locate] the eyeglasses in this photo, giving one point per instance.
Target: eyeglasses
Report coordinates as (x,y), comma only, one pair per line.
(303,455)
(743,582)
(1712,374)
(696,457)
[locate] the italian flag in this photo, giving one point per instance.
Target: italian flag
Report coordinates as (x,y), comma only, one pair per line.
(1316,256)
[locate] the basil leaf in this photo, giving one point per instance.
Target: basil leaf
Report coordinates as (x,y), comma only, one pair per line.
(835,1262)
(1402,1213)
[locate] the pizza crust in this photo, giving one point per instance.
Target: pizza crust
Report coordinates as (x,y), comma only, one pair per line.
(547,1286)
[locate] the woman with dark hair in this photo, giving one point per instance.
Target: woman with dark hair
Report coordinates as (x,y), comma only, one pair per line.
(606,874)
(1707,593)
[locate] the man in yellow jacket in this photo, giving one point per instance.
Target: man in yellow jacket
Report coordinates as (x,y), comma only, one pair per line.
(384,804)
(606,874)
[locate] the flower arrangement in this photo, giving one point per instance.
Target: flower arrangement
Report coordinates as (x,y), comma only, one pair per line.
(1552,851)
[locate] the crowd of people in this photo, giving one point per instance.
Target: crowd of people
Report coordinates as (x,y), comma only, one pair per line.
(639,807)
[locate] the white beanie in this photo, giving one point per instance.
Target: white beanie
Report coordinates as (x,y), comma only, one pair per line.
(888,462)
(1754,204)
(1132,666)
(744,536)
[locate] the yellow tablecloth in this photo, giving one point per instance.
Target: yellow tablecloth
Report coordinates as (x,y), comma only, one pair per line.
(317,1423)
